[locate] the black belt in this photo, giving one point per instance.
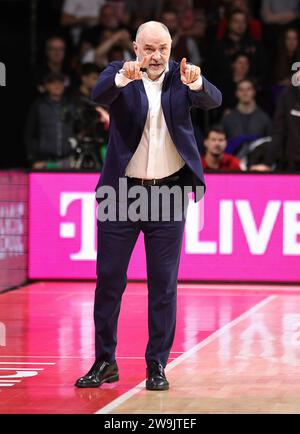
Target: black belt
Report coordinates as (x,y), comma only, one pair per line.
(142,181)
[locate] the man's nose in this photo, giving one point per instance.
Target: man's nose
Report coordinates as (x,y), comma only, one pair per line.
(156,55)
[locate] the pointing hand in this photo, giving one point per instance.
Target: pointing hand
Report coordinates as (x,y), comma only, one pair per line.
(188,72)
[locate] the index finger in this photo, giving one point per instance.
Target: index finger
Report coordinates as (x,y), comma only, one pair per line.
(183,66)
(145,61)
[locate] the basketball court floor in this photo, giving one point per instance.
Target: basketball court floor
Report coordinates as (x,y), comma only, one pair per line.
(236,350)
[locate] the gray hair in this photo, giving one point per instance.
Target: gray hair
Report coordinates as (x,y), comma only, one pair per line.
(142,27)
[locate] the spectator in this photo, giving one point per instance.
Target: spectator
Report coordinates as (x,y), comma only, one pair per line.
(119,8)
(277,15)
(78,14)
(89,75)
(279,12)
(179,6)
(49,126)
(284,150)
(137,12)
(113,46)
(236,40)
(288,53)
(247,122)
(258,154)
(195,27)
(55,61)
(255,26)
(215,158)
(182,46)
(213,11)
(240,68)
(193,24)
(107,20)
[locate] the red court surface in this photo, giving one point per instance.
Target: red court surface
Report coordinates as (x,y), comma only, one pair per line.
(47,339)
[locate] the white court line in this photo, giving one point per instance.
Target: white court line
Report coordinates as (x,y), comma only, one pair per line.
(6,384)
(21,369)
(139,387)
(9,381)
(25,363)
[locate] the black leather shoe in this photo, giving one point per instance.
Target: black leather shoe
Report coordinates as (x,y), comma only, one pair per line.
(101,372)
(156,379)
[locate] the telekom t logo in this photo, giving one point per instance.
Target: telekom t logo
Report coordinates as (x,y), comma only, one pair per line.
(87,250)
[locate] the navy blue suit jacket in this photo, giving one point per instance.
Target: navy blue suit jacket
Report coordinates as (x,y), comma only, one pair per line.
(128,107)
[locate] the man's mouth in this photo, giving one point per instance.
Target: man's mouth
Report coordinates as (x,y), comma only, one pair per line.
(217,151)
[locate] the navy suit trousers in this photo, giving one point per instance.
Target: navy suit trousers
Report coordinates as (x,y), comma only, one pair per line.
(116,241)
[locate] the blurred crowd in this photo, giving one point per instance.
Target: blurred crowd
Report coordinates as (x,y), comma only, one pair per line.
(249,49)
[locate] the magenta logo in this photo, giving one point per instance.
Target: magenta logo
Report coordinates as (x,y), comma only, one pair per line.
(246,228)
(69,230)
(257,235)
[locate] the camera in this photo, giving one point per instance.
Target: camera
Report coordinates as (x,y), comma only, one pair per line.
(90,136)
(86,153)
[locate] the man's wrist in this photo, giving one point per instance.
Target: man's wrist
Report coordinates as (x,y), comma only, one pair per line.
(120,79)
(197,84)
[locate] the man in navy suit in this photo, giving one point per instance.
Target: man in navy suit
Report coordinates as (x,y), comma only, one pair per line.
(151,145)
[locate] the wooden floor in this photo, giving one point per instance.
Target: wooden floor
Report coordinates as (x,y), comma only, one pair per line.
(250,366)
(237,350)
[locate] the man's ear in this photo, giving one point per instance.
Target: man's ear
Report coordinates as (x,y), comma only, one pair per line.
(134,46)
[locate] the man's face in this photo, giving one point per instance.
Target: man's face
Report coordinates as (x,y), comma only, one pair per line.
(157,45)
(55,88)
(241,66)
(291,40)
(56,50)
(242,5)
(245,92)
(108,17)
(215,143)
(187,19)
(238,24)
(90,80)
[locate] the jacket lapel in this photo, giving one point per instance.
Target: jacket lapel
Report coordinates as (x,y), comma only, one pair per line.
(165,96)
(144,105)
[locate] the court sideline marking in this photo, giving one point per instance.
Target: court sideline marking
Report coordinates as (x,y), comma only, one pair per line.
(139,387)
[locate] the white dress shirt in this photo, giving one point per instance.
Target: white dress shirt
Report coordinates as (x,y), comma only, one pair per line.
(156,155)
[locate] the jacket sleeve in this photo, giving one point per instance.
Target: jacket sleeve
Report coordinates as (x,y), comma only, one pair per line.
(207,98)
(276,146)
(105,90)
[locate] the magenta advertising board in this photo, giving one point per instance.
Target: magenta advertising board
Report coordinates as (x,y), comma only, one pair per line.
(246,228)
(13,228)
